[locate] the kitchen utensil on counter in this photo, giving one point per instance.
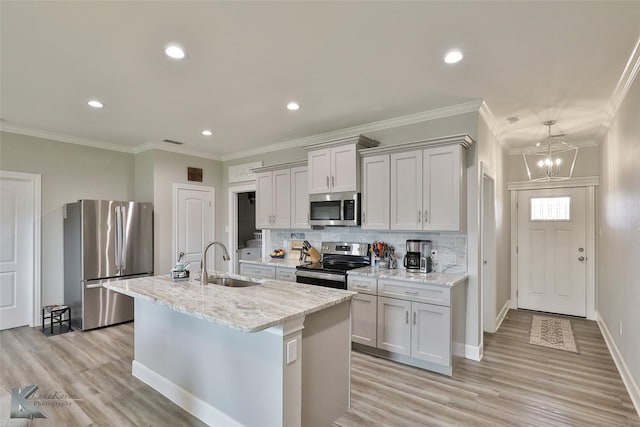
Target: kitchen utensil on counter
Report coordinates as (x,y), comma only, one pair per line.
(314,255)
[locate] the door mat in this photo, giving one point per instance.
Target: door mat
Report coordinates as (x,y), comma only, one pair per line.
(552,332)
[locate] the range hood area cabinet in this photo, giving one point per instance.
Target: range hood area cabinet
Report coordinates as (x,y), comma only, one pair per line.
(334,166)
(281,196)
(419,186)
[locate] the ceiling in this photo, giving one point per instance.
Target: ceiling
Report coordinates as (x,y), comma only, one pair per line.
(346,63)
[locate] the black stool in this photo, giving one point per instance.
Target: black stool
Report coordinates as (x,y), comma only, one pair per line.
(55,313)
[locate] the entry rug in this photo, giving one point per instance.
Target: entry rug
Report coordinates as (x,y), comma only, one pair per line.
(552,332)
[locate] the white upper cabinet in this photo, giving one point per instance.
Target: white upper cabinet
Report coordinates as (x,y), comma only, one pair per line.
(282,200)
(426,190)
(264,200)
(299,198)
(333,169)
(406,190)
(319,177)
(375,192)
(442,188)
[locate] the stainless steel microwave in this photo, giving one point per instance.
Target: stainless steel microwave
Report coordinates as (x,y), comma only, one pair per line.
(334,209)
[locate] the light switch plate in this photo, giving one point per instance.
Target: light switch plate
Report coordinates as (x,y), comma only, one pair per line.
(292,351)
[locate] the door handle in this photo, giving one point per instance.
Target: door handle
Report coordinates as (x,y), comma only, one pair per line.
(333,182)
(414,317)
(118,247)
(581,258)
(328,181)
(123,251)
(419,216)
(97,285)
(364,217)
(406,317)
(426,216)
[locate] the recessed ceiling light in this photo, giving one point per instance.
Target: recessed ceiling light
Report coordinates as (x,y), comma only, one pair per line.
(174,51)
(453,56)
(513,119)
(95,104)
(207,132)
(293,106)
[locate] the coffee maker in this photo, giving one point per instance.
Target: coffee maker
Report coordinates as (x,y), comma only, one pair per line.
(412,257)
(425,256)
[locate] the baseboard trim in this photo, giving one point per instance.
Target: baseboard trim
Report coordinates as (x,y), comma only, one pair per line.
(627,378)
(181,397)
(473,352)
(502,314)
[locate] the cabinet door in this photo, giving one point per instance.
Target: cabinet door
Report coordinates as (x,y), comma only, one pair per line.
(319,178)
(394,329)
(286,274)
(281,199)
(299,198)
(406,190)
(442,177)
(258,271)
(431,333)
(363,319)
(375,192)
(344,168)
(264,200)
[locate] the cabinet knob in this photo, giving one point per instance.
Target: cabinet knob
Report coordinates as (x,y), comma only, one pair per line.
(581,258)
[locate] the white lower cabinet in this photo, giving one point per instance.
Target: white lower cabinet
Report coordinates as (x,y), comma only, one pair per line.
(286,274)
(363,319)
(258,271)
(431,333)
(394,329)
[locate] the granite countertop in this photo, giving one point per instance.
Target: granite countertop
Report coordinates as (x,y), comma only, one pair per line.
(248,309)
(277,262)
(442,279)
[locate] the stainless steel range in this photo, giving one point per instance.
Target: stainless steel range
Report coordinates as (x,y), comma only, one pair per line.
(337,259)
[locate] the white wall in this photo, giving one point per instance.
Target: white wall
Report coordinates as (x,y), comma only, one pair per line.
(618,295)
(69,172)
(169,168)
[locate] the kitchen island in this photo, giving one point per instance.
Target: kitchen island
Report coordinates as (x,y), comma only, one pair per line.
(274,354)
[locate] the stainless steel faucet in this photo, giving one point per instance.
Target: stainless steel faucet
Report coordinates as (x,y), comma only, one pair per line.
(204,278)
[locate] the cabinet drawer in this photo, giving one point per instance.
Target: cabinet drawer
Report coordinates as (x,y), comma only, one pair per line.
(414,291)
(364,285)
(258,271)
(287,274)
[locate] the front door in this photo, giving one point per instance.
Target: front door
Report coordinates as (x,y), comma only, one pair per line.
(551,250)
(17,221)
(193,223)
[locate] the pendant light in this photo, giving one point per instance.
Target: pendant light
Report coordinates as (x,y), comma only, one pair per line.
(551,159)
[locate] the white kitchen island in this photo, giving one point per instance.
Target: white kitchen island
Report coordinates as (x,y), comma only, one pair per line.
(275,354)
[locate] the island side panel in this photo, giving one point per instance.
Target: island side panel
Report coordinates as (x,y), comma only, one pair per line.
(326,371)
(221,375)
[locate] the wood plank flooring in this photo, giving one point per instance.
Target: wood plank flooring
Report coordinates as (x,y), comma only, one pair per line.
(516,384)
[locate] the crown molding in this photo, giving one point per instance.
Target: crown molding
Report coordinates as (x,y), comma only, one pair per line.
(581,181)
(174,149)
(490,120)
(438,113)
(39,133)
(580,144)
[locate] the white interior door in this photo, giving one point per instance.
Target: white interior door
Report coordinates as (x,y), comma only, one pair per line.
(551,250)
(17,221)
(194,223)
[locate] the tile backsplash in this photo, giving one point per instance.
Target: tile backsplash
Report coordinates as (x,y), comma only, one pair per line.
(451,247)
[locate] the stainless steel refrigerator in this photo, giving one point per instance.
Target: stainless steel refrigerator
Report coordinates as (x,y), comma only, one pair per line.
(104,240)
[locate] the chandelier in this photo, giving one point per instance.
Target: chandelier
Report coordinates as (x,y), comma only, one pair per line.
(550,160)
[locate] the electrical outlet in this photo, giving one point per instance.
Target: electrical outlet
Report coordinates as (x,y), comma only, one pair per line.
(620,326)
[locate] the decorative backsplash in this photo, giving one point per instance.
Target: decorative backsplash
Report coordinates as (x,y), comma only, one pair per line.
(451,247)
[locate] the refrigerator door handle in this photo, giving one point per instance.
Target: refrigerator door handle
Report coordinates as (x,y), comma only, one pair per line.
(123,239)
(118,240)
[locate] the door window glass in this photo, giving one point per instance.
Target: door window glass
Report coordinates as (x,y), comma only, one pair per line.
(550,209)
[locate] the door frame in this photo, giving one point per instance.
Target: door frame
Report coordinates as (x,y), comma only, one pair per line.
(174,235)
(485,289)
(233,221)
(590,182)
(35,180)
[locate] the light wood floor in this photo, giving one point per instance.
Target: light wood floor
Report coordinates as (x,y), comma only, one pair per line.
(516,384)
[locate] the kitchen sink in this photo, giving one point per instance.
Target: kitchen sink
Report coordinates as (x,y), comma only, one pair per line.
(231,282)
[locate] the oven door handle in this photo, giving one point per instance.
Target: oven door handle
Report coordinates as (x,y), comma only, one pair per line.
(317,275)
